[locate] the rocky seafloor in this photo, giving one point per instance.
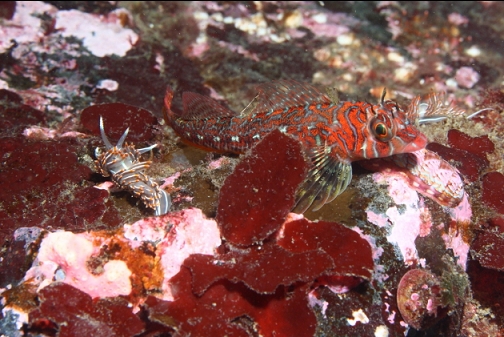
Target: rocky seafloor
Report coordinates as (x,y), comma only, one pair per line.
(80,257)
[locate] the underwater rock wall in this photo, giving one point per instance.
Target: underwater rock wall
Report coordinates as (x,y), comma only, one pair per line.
(78,256)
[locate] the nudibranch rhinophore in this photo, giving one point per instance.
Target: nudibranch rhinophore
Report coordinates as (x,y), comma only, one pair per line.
(123,165)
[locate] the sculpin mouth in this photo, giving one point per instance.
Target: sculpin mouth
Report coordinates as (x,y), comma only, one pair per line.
(419,143)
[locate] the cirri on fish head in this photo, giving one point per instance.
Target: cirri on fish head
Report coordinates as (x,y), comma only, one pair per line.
(333,134)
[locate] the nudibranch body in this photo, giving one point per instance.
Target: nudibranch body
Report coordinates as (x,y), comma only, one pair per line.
(123,165)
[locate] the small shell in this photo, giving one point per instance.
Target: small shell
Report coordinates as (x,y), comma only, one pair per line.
(426,172)
(432,176)
(419,299)
(123,165)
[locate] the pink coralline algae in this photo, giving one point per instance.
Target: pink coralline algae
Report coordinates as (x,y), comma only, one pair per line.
(177,236)
(97,31)
(457,19)
(411,219)
(406,225)
(24,26)
(455,238)
(64,256)
(467,77)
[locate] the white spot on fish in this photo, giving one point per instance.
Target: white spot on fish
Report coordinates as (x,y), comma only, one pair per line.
(256,136)
(363,149)
(216,139)
(283,129)
(235,139)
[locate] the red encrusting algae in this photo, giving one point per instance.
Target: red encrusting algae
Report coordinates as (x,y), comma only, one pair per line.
(268,192)
(71,312)
(264,277)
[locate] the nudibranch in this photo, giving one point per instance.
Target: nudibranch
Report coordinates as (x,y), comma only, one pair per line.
(122,163)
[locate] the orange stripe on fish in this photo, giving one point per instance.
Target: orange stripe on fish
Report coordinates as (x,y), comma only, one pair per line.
(333,134)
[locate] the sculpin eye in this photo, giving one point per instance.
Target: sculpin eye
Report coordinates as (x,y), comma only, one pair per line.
(381,130)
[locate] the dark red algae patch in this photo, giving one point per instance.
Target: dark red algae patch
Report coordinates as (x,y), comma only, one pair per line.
(479,146)
(229,309)
(141,81)
(258,195)
(261,287)
(488,249)
(486,285)
(15,116)
(493,191)
(262,268)
(7,9)
(351,253)
(41,186)
(116,118)
(469,164)
(468,154)
(42,180)
(71,312)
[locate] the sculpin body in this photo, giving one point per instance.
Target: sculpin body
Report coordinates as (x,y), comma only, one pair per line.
(333,134)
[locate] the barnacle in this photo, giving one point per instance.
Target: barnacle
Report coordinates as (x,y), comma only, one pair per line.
(123,165)
(419,299)
(429,174)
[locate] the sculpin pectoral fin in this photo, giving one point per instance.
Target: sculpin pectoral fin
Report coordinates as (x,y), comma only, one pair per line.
(327,179)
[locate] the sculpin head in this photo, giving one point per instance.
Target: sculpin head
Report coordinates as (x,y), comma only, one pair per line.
(390,131)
